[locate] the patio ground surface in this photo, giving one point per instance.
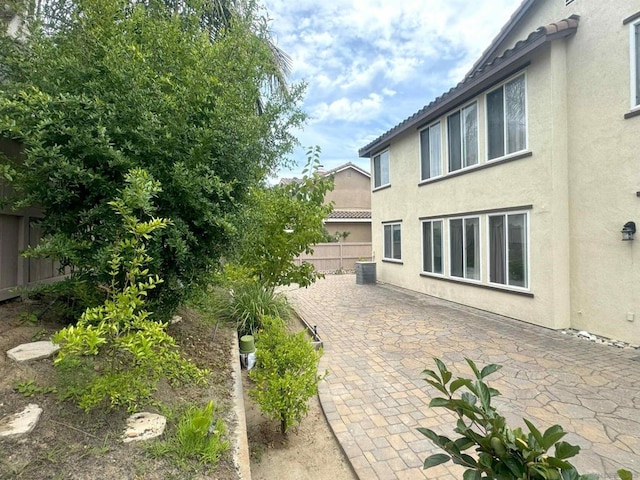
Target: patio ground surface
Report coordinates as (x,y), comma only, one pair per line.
(379,338)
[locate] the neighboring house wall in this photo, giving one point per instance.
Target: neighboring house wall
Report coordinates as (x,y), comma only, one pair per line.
(351,190)
(351,197)
(358,232)
(574,181)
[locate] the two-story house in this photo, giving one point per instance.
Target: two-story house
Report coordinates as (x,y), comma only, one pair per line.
(509,192)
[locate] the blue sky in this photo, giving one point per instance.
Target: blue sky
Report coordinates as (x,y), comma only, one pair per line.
(369,64)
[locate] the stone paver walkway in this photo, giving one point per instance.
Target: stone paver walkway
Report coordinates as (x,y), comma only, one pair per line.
(379,338)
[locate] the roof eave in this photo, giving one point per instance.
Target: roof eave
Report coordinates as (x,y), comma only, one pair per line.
(470,87)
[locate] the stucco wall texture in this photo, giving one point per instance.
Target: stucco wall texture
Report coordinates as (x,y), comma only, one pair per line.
(577,182)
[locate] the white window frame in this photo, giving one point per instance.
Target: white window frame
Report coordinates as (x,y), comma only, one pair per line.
(634,60)
(392,226)
(505,123)
(464,244)
(382,156)
(430,174)
(506,215)
(463,147)
(442,250)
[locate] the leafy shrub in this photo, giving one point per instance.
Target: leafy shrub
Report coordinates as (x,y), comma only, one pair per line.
(128,350)
(285,373)
(199,438)
(502,453)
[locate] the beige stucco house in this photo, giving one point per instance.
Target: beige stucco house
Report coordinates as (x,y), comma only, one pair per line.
(509,192)
(351,197)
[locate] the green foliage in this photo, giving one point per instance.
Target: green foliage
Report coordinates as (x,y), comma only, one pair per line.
(29,388)
(245,303)
(334,237)
(501,453)
(131,351)
(199,439)
(285,373)
(283,222)
(104,86)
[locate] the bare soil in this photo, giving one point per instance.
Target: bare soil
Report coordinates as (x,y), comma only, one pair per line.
(308,451)
(69,444)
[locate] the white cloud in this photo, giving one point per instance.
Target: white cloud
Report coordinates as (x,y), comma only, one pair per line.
(357,54)
(347,109)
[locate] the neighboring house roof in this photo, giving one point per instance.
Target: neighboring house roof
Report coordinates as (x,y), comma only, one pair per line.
(341,214)
(348,165)
(482,75)
(287,181)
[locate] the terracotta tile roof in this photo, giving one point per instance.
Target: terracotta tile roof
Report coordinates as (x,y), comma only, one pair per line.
(350,214)
(475,81)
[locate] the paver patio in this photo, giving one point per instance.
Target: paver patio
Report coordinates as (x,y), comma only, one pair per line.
(379,338)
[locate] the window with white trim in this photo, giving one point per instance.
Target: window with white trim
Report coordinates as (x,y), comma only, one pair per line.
(432,243)
(464,247)
(508,256)
(462,135)
(507,119)
(381,169)
(392,242)
(635,63)
(430,152)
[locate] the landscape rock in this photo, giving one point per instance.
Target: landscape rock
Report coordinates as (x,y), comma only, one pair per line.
(33,351)
(144,426)
(22,422)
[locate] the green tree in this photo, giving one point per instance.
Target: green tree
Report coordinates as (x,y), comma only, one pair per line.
(99,87)
(283,222)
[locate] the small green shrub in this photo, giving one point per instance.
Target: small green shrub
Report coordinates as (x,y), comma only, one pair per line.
(198,439)
(501,453)
(29,388)
(285,374)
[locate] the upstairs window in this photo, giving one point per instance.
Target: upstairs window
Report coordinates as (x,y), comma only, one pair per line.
(635,64)
(381,169)
(430,152)
(392,242)
(462,131)
(507,119)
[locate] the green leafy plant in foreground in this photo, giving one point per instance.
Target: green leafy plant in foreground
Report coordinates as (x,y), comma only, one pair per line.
(501,453)
(199,438)
(285,374)
(128,350)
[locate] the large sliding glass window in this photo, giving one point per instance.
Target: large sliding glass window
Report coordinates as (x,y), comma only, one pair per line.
(508,249)
(432,246)
(430,152)
(464,246)
(462,132)
(392,242)
(381,169)
(507,119)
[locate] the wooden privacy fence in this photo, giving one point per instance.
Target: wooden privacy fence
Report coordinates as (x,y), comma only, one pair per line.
(330,257)
(18,230)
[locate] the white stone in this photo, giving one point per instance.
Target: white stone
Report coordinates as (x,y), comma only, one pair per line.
(144,426)
(176,319)
(33,351)
(22,422)
(585,334)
